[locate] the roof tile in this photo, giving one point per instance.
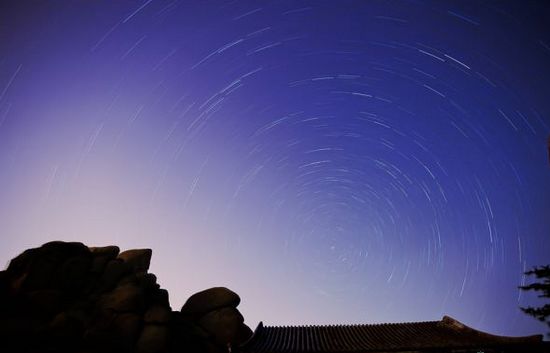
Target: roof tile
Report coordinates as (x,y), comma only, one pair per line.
(370,338)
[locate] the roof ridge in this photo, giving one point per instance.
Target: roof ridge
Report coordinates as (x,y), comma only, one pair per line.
(356,325)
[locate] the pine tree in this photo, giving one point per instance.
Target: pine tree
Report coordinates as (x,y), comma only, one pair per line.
(542,275)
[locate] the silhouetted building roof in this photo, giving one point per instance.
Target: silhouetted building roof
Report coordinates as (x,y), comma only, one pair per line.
(433,336)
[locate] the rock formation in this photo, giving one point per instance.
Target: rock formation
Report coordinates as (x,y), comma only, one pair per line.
(67,297)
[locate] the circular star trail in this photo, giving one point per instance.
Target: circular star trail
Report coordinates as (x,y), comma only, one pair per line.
(332,162)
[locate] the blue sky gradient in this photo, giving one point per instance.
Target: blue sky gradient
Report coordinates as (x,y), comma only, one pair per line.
(330,161)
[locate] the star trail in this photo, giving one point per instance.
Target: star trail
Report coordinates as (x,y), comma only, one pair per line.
(330,161)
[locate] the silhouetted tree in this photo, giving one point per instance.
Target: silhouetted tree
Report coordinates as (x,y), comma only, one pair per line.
(542,275)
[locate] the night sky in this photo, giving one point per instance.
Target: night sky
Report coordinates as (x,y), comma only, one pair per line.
(330,161)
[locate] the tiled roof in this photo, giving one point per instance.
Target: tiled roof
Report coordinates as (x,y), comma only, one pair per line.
(371,338)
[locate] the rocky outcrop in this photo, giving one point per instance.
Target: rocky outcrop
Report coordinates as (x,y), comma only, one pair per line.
(215,311)
(209,300)
(67,297)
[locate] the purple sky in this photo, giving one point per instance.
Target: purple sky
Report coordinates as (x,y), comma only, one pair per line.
(330,161)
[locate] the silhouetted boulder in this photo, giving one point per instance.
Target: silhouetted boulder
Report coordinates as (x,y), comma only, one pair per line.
(137,259)
(213,311)
(126,330)
(243,335)
(72,275)
(105,251)
(114,271)
(66,297)
(161,297)
(66,329)
(46,302)
(126,297)
(190,337)
(223,324)
(157,314)
(153,339)
(210,300)
(101,256)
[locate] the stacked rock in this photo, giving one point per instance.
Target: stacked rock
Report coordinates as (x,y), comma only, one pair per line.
(66,297)
(214,312)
